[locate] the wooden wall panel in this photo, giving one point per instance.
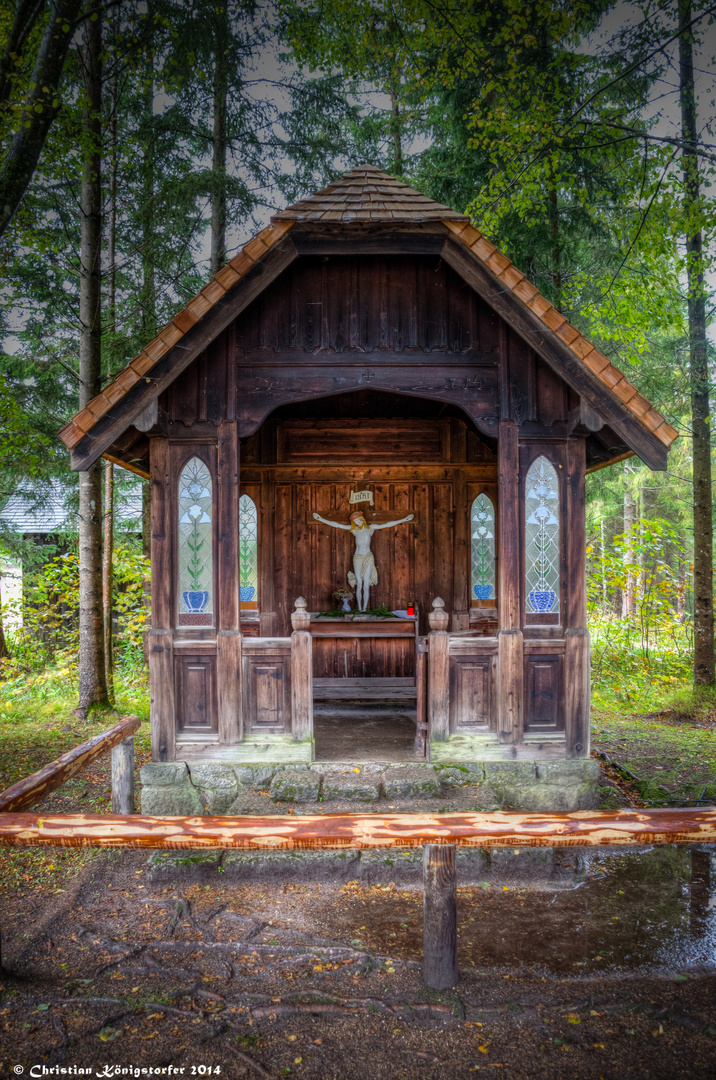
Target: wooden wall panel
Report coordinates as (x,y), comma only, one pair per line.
(267,690)
(414,560)
(365,303)
(544,691)
(363,657)
(196,693)
(323,441)
(472,692)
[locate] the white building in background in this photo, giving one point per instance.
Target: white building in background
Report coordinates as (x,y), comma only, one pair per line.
(41,518)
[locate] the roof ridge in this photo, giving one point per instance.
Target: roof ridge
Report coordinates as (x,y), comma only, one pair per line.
(377,196)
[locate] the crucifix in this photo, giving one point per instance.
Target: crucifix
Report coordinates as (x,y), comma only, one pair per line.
(364,570)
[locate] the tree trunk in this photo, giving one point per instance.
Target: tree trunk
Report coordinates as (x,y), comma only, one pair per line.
(146,552)
(107,551)
(149,287)
(555,249)
(108,518)
(92,680)
(218,164)
(700,409)
(3,643)
(395,134)
(604,568)
(629,523)
(22,155)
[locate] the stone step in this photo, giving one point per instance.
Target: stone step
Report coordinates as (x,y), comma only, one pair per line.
(553,867)
(332,787)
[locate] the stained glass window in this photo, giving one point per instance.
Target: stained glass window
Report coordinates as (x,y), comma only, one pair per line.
(542,537)
(196,564)
(248,549)
(482,550)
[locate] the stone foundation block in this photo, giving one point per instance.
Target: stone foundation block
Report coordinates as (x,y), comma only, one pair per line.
(186,865)
(411,782)
(458,775)
(167,790)
(577,771)
(291,865)
(258,777)
(217,786)
(379,867)
(297,786)
(351,788)
(548,785)
(480,797)
(521,864)
(471,865)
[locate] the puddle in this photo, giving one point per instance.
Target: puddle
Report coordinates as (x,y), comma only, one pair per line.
(632,912)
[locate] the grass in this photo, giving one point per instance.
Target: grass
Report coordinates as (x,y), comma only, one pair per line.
(659,728)
(37,725)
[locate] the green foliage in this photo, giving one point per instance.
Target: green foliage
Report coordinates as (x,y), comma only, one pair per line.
(44,625)
(646,652)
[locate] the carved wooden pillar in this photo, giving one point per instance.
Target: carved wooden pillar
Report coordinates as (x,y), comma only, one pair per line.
(438,673)
(461,553)
(301,674)
(161,637)
(228,636)
(510,674)
(576,646)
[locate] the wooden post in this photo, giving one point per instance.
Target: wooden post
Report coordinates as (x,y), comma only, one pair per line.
(34,788)
(301,674)
(510,665)
(439,916)
(576,645)
(700,893)
(438,673)
(461,552)
(228,637)
(161,638)
(268,621)
(123,777)
(421,712)
(229,651)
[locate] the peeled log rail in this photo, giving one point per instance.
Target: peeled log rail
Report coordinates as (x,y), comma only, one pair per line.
(26,793)
(582,828)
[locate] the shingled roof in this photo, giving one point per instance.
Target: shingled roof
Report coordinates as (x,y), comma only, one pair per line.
(367,194)
(363,197)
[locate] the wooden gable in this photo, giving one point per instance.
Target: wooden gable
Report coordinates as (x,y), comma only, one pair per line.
(362,272)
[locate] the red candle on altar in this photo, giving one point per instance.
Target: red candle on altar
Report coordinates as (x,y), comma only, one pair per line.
(411,610)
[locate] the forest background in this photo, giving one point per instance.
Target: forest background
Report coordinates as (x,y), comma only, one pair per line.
(143,143)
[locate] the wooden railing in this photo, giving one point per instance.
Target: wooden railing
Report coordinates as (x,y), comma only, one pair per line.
(438,834)
(581,828)
(33,789)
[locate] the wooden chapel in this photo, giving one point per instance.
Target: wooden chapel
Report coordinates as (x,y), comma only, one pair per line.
(370,352)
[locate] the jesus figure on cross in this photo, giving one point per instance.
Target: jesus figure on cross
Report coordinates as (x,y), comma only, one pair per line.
(364,572)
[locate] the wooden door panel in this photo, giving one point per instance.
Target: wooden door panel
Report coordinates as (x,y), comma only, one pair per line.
(543,692)
(472,692)
(267,701)
(196,694)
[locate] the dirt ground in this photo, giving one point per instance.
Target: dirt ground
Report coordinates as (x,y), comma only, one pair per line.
(114,972)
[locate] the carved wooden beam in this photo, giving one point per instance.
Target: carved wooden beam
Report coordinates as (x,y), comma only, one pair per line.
(579,829)
(32,789)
